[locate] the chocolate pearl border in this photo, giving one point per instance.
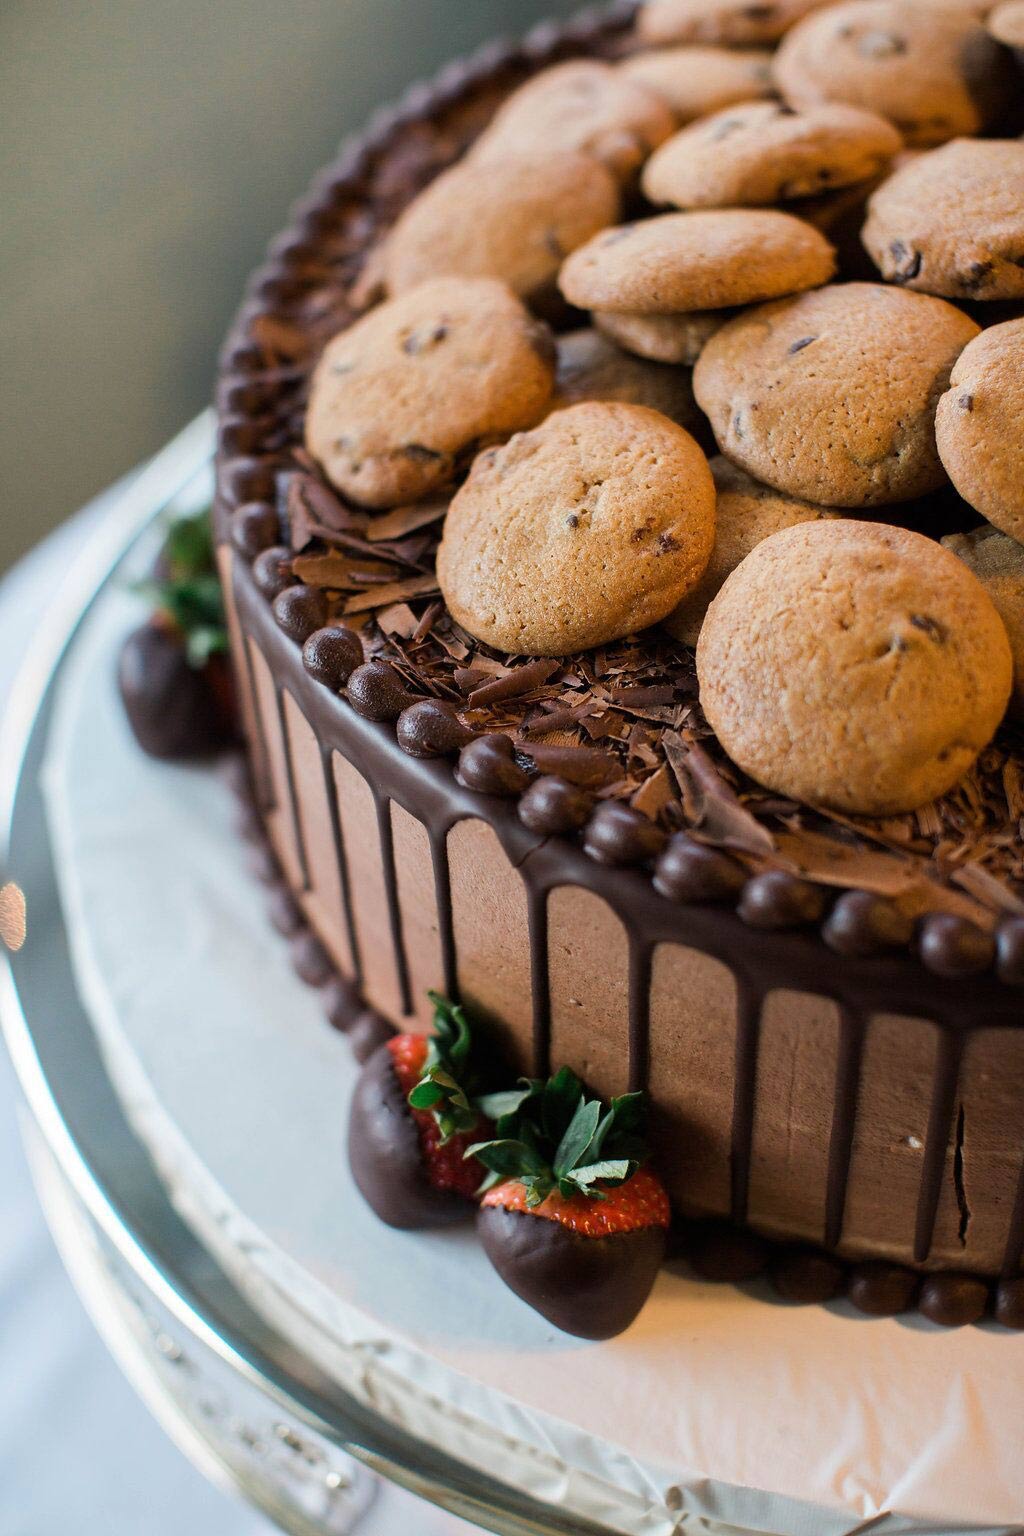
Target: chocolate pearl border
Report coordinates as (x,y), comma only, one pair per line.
(798,1273)
(258,407)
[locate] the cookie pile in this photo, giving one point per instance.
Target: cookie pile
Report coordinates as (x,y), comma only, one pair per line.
(792,233)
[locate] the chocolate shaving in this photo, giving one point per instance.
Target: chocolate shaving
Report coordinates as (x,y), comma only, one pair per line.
(394,592)
(580,765)
(654,794)
(402,520)
(427,622)
(339,573)
(825,859)
(712,805)
(984,886)
(513,684)
(399,620)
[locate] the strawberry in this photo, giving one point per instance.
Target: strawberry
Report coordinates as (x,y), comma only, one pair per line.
(173,675)
(412,1123)
(568,1217)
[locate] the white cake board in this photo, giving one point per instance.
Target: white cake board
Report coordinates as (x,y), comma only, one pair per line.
(718,1405)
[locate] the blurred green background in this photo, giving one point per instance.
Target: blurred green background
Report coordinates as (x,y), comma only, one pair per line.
(150,149)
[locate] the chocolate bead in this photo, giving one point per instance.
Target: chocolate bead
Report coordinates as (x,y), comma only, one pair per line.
(310,960)
(431,728)
(862,923)
(331,655)
(687,871)
(246,478)
(489,766)
(722,1252)
(238,435)
(283,911)
(953,1300)
(377,692)
(954,946)
(616,834)
(776,899)
(1009,1308)
(366,1033)
(272,570)
(299,610)
(341,1002)
(254,526)
(805,1275)
(552,805)
(1010,951)
(241,355)
(880,1289)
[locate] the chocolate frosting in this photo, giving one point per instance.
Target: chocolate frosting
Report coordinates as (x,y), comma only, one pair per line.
(592,1287)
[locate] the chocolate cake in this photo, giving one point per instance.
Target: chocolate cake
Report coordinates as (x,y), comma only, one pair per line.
(824,1008)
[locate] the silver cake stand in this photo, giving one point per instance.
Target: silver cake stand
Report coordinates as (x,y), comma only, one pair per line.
(244,1405)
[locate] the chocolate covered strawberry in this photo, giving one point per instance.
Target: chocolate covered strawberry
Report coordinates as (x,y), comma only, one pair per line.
(411,1124)
(570,1216)
(173,672)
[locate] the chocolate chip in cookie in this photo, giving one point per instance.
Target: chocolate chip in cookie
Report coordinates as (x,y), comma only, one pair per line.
(855,666)
(400,397)
(590,527)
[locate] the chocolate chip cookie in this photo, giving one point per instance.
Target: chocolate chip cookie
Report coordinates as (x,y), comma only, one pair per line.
(764,152)
(932,69)
(710,259)
(719,21)
(582,105)
(1006,23)
(592,368)
(831,395)
(593,525)
(952,221)
(998,563)
(663,338)
(517,226)
(695,81)
(979,428)
(746,512)
(854,665)
(398,399)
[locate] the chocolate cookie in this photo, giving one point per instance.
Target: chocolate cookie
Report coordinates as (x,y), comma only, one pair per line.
(998,563)
(517,226)
(762,152)
(746,513)
(933,70)
(663,338)
(854,665)
(952,221)
(592,368)
(695,81)
(831,395)
(582,105)
(979,430)
(719,21)
(398,399)
(711,259)
(592,526)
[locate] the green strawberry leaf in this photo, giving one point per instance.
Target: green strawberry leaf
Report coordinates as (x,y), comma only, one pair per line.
(188,589)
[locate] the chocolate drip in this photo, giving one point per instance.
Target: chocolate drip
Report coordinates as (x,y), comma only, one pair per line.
(940,1118)
(1015,1235)
(293,797)
(382,805)
(263,782)
(639,1014)
(844,1121)
(341,860)
(749,1002)
(445,915)
(540,977)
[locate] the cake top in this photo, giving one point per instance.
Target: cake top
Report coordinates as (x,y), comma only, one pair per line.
(516,515)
